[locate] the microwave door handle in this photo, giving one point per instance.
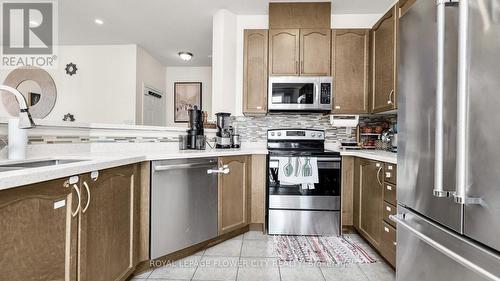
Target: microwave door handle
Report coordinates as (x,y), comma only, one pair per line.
(316,94)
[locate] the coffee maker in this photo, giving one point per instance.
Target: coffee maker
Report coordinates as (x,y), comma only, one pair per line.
(223,136)
(195,133)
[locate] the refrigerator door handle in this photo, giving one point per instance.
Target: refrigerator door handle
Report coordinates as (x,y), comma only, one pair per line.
(439,190)
(460,194)
(439,133)
(401,222)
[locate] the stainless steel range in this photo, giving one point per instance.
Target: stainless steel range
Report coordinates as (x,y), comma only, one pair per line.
(291,208)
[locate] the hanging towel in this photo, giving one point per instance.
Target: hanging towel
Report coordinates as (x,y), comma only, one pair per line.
(291,171)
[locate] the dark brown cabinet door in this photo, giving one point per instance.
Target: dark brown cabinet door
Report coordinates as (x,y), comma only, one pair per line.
(107,228)
(233,192)
(388,243)
(370,183)
(284,52)
(384,38)
(350,62)
(315,50)
(38,232)
(255,71)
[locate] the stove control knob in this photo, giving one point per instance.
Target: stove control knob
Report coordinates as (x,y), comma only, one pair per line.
(272,134)
(279,134)
(313,135)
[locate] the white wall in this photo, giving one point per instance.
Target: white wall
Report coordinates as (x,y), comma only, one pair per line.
(201,74)
(224,61)
(103,89)
(150,73)
(354,20)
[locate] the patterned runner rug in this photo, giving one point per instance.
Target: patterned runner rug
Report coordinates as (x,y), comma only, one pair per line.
(319,249)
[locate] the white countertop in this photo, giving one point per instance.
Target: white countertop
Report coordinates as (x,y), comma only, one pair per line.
(104,160)
(100,161)
(377,155)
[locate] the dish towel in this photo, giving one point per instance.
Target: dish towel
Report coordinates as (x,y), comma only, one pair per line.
(298,171)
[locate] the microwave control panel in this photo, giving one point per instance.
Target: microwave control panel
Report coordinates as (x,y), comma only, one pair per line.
(325,93)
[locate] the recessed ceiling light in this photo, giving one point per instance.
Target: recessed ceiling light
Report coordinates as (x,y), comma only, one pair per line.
(185,56)
(99,21)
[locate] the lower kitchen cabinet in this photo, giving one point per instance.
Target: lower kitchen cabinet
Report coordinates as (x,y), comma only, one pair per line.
(78,228)
(107,225)
(374,200)
(368,194)
(38,232)
(233,194)
(388,245)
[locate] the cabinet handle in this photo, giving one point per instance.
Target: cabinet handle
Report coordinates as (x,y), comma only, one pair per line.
(88,198)
(389,101)
(302,67)
(386,229)
(389,187)
(296,67)
(337,107)
(259,107)
(388,174)
(378,175)
(75,187)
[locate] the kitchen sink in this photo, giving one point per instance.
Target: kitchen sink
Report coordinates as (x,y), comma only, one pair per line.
(36,164)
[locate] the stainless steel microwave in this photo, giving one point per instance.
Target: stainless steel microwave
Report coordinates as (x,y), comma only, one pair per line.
(295,93)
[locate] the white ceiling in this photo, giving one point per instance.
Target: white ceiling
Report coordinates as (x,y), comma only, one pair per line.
(165,27)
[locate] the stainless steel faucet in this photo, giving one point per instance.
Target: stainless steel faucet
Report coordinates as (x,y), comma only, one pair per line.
(25,120)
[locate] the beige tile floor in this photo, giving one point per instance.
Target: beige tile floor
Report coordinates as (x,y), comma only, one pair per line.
(249,257)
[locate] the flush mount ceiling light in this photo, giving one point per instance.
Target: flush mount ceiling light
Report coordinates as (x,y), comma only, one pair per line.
(99,21)
(185,56)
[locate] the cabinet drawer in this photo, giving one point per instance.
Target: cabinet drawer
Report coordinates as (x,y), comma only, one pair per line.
(389,210)
(390,193)
(388,244)
(390,173)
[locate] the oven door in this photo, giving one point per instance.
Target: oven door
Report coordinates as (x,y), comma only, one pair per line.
(329,179)
(293,93)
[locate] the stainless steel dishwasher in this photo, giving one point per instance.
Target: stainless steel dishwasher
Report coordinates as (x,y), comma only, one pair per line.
(183,204)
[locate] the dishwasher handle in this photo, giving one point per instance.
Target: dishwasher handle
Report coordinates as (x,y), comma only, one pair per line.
(183,166)
(220,170)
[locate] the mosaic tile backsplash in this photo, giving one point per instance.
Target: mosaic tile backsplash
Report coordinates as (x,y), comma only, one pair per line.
(254,129)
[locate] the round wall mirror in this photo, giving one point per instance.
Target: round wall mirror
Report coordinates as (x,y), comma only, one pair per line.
(37,87)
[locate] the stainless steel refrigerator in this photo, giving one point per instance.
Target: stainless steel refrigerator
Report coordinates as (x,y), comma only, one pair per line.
(448,222)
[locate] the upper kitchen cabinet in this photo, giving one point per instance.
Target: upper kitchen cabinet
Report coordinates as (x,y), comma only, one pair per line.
(39,231)
(384,64)
(315,52)
(255,72)
(300,15)
(303,52)
(350,65)
(284,52)
(299,39)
